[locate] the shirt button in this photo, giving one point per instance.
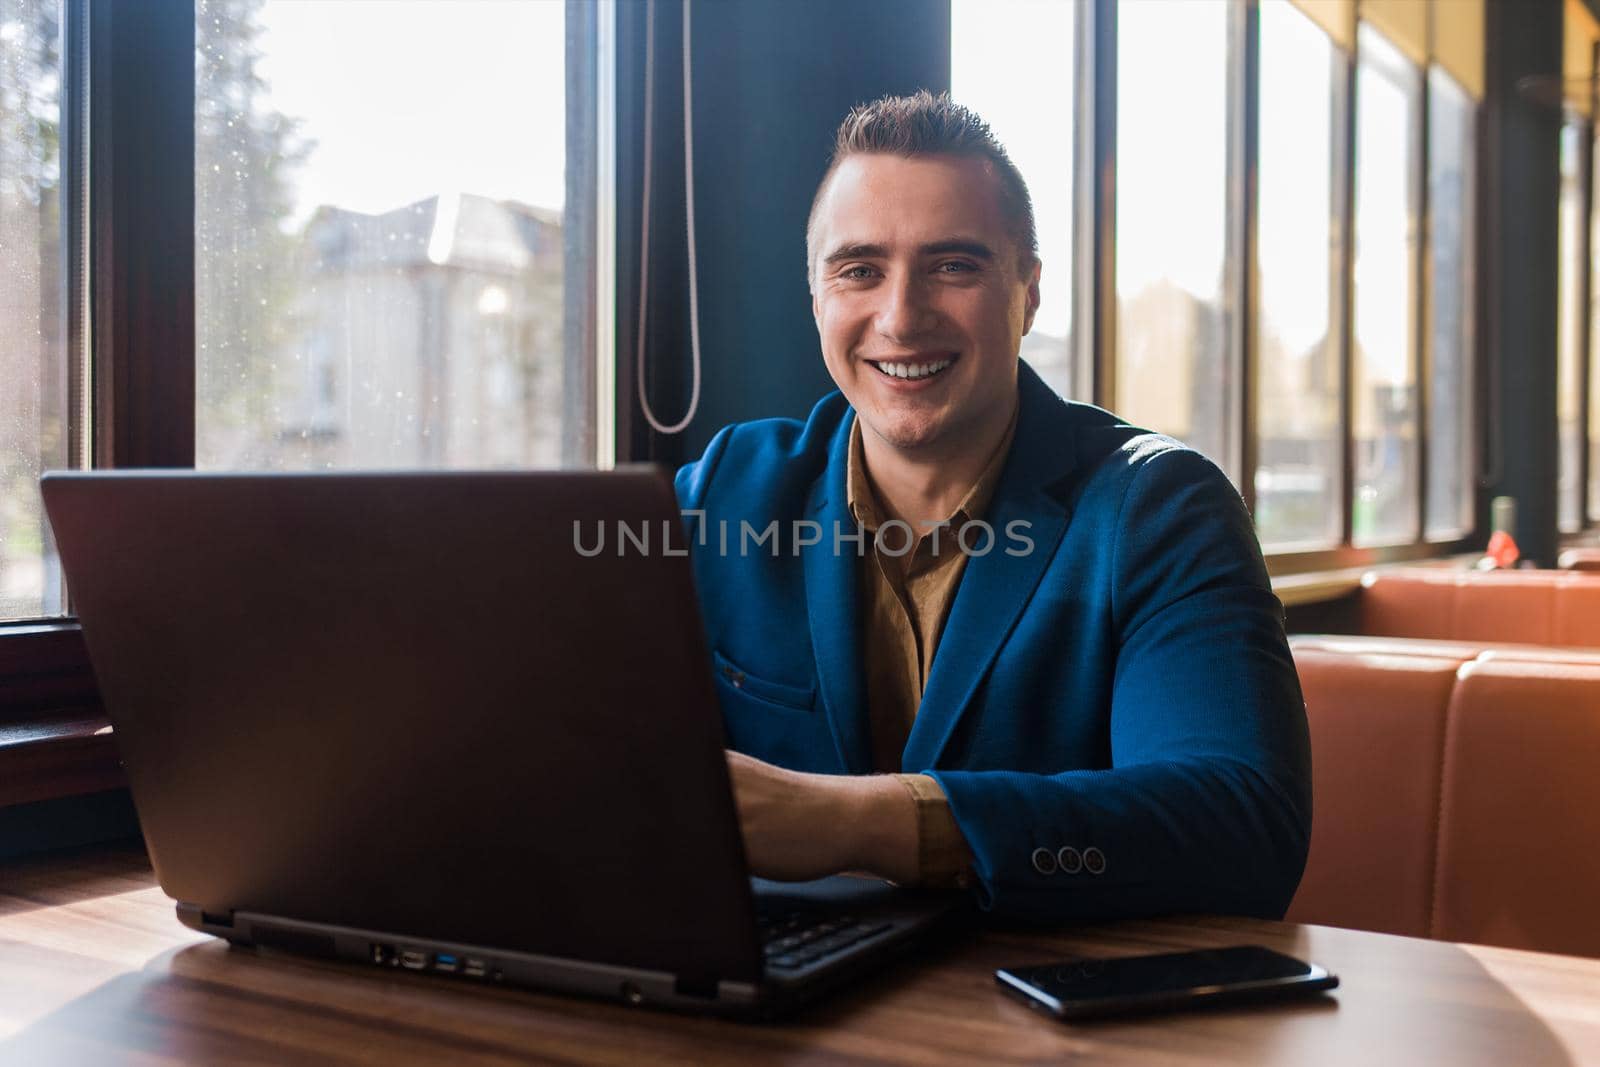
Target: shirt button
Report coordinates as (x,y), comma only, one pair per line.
(1044,861)
(1094,861)
(1070,860)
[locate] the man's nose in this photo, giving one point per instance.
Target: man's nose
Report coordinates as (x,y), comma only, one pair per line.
(907,310)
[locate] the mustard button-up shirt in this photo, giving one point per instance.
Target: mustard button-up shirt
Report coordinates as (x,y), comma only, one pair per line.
(908,580)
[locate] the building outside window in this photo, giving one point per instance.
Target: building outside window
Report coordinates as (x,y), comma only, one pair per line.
(35,422)
(381,286)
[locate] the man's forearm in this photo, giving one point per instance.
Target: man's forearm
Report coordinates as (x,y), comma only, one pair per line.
(798,826)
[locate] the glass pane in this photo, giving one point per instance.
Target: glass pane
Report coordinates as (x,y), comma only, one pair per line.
(1569,335)
(378,223)
(1594,352)
(1297,379)
(1451,154)
(1022,84)
(1384,378)
(1172,212)
(33,349)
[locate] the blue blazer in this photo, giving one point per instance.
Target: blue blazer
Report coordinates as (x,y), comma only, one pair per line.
(1124,686)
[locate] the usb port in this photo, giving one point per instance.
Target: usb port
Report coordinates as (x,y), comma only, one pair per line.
(446,962)
(473,967)
(413,959)
(383,954)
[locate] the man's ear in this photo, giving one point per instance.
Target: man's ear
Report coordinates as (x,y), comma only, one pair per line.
(1032,307)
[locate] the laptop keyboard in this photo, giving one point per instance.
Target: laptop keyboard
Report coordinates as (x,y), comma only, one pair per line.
(795,939)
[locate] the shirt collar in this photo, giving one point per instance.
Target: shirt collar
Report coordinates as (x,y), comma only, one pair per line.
(864,507)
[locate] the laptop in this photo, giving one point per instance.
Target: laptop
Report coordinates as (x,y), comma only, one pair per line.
(397,718)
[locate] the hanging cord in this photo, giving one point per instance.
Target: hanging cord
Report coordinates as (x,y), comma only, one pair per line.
(644,225)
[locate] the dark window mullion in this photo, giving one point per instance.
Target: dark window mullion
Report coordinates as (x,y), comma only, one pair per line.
(141,232)
(1244,109)
(1344,185)
(1095,316)
(1586,279)
(1422,272)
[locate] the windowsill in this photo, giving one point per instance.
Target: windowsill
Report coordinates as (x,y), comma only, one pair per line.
(1320,587)
(57,754)
(1317,587)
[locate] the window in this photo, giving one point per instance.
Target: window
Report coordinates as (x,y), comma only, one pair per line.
(1569,334)
(35,421)
(1023,86)
(1594,350)
(1384,373)
(1452,152)
(1172,366)
(1300,439)
(384,286)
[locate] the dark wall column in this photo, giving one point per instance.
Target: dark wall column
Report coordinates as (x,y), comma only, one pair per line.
(1520,260)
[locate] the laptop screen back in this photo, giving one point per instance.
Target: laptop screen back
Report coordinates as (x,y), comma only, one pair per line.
(407,702)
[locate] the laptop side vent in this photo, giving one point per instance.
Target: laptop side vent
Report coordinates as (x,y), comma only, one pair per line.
(693,986)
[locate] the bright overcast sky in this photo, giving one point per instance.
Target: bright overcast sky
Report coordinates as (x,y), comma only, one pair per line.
(410,98)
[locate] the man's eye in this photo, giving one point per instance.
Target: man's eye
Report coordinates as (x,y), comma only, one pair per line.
(956,266)
(856,273)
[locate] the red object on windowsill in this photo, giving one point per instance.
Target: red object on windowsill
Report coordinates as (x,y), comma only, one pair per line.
(1502,552)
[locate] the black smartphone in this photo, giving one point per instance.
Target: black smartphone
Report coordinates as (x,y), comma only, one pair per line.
(1089,988)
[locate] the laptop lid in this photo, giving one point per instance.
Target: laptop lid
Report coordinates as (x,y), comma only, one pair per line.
(407,702)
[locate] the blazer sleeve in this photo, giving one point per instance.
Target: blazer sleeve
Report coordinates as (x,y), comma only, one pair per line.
(1207,804)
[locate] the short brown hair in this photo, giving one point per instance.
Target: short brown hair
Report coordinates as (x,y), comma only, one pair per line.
(923,124)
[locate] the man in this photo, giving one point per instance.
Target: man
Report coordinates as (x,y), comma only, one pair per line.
(1097,715)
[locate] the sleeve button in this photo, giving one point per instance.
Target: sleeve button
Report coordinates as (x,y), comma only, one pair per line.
(1094,861)
(1044,861)
(1070,859)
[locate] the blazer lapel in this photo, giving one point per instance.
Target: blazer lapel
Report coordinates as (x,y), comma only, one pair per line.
(997,587)
(831,608)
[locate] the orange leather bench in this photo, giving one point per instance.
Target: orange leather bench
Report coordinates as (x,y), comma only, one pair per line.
(1456,790)
(1532,607)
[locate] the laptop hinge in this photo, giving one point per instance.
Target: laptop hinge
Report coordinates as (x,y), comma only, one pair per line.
(196,918)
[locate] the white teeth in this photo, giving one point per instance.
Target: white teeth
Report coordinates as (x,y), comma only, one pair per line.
(913,370)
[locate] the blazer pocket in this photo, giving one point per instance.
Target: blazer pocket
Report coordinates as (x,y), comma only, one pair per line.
(795,697)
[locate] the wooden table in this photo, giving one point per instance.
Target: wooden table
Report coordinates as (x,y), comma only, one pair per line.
(95,969)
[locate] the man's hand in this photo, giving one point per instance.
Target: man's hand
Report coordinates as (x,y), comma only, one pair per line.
(798,826)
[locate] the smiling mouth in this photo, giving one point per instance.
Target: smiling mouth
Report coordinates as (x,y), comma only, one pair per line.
(910,370)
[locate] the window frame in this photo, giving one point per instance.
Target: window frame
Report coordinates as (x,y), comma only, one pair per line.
(131,66)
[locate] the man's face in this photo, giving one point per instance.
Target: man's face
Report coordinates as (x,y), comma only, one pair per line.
(919,299)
